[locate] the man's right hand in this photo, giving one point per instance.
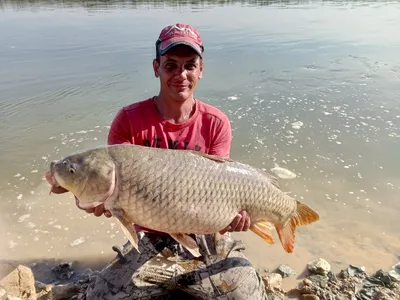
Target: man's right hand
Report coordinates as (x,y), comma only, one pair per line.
(97,211)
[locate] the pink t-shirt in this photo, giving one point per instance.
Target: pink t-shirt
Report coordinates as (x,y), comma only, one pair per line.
(208,130)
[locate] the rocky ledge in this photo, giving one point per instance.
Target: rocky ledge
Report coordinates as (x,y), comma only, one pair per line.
(318,282)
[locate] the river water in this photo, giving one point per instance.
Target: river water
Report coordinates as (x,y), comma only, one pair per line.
(313,86)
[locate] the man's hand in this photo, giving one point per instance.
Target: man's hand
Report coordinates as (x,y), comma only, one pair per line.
(97,211)
(240,223)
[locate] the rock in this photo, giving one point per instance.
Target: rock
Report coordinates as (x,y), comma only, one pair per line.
(319,266)
(355,270)
(309,297)
(17,280)
(63,271)
(319,280)
(3,293)
(394,275)
(273,282)
(276,296)
(64,291)
(396,268)
(42,290)
(285,271)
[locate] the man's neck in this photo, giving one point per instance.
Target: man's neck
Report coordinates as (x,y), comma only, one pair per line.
(174,111)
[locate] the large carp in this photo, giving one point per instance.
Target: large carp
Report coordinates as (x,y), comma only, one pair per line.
(179,192)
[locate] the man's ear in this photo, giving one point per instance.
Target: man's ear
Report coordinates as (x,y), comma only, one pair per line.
(201,68)
(156,65)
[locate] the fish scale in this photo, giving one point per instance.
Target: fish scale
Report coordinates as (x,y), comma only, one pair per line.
(180,192)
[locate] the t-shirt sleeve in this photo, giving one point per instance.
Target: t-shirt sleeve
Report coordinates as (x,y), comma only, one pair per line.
(221,144)
(120,132)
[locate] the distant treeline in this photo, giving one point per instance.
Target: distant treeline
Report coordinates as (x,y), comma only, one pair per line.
(160,3)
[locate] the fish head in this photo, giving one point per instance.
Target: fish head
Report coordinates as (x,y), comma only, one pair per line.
(90,176)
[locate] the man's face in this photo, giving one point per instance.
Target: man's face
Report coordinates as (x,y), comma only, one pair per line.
(179,70)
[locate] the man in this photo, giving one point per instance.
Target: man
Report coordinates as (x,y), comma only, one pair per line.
(176,119)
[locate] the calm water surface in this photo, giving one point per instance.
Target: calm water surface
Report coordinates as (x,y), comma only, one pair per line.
(313,86)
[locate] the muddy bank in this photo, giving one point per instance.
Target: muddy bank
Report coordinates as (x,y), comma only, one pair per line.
(68,280)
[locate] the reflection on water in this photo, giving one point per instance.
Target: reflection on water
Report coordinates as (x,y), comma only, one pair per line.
(303,83)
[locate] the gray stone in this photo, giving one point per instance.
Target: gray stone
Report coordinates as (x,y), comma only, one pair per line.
(285,271)
(396,268)
(354,270)
(394,275)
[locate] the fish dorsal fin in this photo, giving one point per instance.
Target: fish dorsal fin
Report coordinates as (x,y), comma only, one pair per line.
(274,180)
(211,156)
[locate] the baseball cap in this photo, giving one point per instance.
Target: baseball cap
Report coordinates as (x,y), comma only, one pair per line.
(179,34)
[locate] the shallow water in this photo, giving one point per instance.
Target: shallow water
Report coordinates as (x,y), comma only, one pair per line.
(313,86)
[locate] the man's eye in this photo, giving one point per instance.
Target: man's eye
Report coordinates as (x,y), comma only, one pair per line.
(170,66)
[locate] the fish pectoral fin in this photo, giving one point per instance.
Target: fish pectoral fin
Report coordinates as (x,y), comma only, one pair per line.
(129,230)
(188,242)
(303,216)
(211,156)
(264,230)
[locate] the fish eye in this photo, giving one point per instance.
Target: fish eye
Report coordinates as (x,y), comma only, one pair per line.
(71,170)
(65,162)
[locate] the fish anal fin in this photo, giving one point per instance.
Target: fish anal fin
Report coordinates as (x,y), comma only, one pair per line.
(304,215)
(188,242)
(264,230)
(287,235)
(211,156)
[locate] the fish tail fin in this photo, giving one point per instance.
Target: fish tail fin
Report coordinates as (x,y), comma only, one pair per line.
(264,230)
(304,215)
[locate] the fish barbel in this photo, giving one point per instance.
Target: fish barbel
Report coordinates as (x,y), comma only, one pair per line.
(179,192)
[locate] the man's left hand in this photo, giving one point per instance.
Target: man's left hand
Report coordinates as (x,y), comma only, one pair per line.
(240,223)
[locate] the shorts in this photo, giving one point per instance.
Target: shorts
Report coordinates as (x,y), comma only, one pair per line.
(163,267)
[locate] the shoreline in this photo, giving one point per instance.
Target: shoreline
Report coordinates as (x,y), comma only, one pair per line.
(57,279)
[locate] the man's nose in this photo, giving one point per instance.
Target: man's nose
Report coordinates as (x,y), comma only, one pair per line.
(181,72)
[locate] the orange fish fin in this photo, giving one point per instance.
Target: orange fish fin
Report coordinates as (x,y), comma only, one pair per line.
(287,235)
(210,156)
(264,230)
(303,216)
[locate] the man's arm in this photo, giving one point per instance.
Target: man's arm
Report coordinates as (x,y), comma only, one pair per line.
(120,132)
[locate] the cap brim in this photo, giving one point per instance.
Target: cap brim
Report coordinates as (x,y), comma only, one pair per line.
(164,47)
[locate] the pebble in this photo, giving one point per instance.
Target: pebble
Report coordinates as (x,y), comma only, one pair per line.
(319,266)
(285,271)
(309,297)
(272,281)
(2,293)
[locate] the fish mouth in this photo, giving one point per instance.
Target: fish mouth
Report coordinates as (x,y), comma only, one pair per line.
(55,186)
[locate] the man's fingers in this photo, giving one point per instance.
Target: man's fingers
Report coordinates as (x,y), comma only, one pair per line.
(247,221)
(235,223)
(241,223)
(107,213)
(89,210)
(225,230)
